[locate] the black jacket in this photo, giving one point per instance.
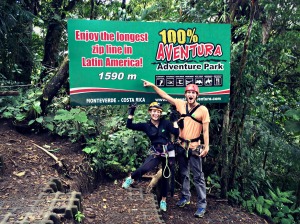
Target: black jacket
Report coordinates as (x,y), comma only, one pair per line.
(157,135)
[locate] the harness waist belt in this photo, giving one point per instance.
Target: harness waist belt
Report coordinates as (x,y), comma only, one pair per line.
(159,146)
(191,140)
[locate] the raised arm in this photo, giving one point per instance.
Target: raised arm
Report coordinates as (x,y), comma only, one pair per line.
(160,92)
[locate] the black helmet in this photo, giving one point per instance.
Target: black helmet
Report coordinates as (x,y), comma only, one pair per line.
(156,106)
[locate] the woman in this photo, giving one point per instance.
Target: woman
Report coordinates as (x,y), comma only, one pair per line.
(159,132)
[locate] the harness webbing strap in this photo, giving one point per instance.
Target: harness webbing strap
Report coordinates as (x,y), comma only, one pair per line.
(189,114)
(191,140)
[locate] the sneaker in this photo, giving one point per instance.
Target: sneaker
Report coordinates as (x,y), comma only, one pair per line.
(127,182)
(163,206)
(200,212)
(182,202)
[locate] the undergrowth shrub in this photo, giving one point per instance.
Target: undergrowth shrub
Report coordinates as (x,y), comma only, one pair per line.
(117,150)
(18,107)
(73,123)
(277,205)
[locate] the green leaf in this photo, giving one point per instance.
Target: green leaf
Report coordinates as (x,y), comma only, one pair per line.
(80,117)
(253,198)
(285,200)
(130,142)
(20,117)
(259,208)
(267,212)
(260,200)
(269,202)
(286,209)
(292,126)
(87,150)
(50,126)
(249,203)
(48,119)
(7,114)
(294,114)
(63,115)
(125,150)
(75,110)
(37,107)
(290,217)
(273,195)
(286,221)
(39,120)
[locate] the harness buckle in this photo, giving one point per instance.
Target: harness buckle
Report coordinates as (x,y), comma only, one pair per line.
(163,152)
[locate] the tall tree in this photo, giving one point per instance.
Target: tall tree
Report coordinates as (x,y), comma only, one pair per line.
(15,45)
(56,26)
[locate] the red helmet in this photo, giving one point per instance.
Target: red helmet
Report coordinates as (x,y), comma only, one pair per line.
(192,87)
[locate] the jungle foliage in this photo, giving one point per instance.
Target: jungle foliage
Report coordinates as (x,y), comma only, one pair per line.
(255,153)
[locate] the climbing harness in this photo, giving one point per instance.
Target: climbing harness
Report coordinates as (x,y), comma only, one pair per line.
(164,153)
(188,114)
(186,147)
(187,142)
(166,166)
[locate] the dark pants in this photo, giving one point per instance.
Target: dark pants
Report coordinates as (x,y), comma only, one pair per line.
(192,163)
(150,163)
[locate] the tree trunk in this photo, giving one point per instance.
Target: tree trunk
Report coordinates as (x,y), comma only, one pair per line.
(9,93)
(55,84)
(26,63)
(51,49)
(92,13)
(51,88)
(238,107)
(298,195)
(266,155)
(224,154)
(54,34)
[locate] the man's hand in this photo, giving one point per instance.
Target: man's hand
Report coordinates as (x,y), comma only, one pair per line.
(159,91)
(131,109)
(204,152)
(146,83)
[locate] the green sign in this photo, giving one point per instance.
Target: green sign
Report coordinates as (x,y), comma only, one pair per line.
(108,59)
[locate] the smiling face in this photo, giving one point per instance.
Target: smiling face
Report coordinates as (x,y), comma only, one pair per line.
(155,114)
(191,96)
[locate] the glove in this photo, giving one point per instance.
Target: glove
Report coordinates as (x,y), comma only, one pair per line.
(174,114)
(131,109)
(173,117)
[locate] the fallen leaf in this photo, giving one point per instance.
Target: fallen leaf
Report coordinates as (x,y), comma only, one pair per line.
(20,174)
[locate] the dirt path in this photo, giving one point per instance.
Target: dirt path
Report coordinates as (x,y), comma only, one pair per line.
(26,171)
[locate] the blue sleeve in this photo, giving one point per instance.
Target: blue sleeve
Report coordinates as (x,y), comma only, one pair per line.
(136,127)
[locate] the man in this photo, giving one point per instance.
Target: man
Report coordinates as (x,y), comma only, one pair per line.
(159,132)
(194,121)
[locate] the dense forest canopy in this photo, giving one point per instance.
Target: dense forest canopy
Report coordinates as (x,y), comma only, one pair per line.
(255,152)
